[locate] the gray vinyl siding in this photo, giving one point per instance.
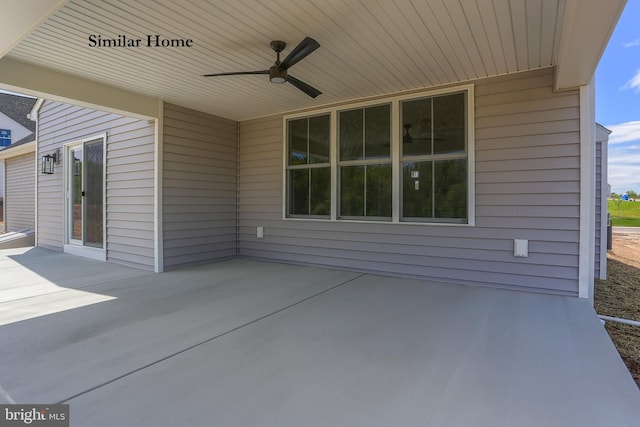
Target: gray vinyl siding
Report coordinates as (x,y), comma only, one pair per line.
(19,203)
(601,204)
(50,203)
(527,187)
(129,180)
(199,187)
(598,202)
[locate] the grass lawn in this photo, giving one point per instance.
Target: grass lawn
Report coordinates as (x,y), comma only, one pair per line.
(624,213)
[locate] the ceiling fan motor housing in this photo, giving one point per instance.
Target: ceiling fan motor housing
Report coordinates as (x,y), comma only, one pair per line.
(277,75)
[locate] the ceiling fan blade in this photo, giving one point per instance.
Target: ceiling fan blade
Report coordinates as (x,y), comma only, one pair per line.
(304,48)
(237,73)
(308,89)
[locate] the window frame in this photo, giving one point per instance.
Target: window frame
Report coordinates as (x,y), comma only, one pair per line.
(433,158)
(396,158)
(371,161)
(304,166)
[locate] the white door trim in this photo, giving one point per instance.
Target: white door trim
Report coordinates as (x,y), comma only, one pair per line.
(72,246)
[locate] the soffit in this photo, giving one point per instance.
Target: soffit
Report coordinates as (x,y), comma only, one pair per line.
(368,48)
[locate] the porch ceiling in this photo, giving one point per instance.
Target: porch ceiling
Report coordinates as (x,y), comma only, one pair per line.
(368,48)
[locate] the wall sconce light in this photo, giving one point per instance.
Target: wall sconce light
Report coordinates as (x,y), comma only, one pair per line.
(77,167)
(406,138)
(48,162)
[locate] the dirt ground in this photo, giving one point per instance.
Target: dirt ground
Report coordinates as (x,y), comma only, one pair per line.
(619,296)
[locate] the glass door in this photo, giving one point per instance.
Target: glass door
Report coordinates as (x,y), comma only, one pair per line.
(86,193)
(75,209)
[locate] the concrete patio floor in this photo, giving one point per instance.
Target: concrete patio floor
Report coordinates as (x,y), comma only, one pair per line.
(246,343)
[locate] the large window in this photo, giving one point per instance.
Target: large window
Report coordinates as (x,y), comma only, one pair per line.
(365,162)
(408,159)
(434,158)
(308,167)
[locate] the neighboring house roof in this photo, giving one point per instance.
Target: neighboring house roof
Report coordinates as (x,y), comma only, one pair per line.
(29,138)
(602,132)
(24,146)
(17,108)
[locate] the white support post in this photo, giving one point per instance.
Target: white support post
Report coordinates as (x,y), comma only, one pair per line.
(157,202)
(587,192)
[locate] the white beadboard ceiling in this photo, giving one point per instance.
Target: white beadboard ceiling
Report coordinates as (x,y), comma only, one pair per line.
(368,47)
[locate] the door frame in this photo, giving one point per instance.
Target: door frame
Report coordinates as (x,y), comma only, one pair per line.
(72,246)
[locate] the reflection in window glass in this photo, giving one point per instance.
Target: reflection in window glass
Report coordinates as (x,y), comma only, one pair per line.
(94,191)
(76,194)
(309,172)
(352,191)
(451,188)
(429,144)
(416,127)
(417,184)
(365,190)
(434,177)
(365,133)
(319,139)
(449,124)
(377,133)
(351,127)
(320,191)
(378,190)
(299,192)
(297,133)
(310,191)
(308,140)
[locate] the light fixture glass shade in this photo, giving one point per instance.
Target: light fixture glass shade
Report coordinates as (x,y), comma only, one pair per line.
(48,163)
(406,137)
(277,75)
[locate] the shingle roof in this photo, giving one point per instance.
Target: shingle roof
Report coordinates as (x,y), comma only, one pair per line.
(29,138)
(17,107)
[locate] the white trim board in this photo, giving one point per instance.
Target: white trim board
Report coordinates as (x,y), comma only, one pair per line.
(158,246)
(587,192)
(86,251)
(68,246)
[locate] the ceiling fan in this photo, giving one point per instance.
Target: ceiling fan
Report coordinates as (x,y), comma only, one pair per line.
(278,72)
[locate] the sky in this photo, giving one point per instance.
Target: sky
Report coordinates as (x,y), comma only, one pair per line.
(618,100)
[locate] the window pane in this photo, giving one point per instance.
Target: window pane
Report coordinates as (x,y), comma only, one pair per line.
(77,157)
(352,190)
(378,201)
(417,180)
(449,124)
(372,200)
(451,189)
(94,193)
(319,139)
(299,192)
(297,133)
(5,137)
(351,135)
(377,134)
(416,127)
(320,194)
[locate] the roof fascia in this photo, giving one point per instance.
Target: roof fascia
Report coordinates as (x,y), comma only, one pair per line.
(586,28)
